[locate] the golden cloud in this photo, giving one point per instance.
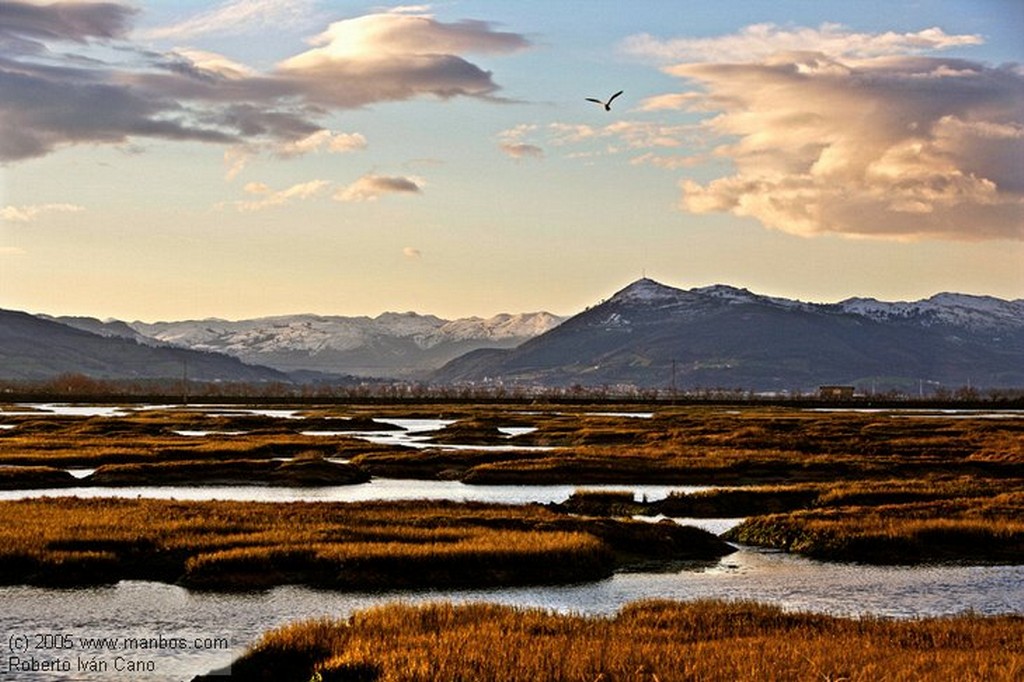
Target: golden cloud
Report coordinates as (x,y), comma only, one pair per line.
(895,147)
(371,187)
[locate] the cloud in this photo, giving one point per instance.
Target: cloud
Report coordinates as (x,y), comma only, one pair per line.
(372,187)
(26,27)
(12,251)
(763,40)
(668,162)
(622,135)
(522,150)
(269,198)
(204,61)
(367,188)
(674,100)
(526,140)
(900,147)
(393,57)
(512,143)
(335,143)
(237,157)
(238,16)
(828,130)
(60,87)
(52,99)
(27,214)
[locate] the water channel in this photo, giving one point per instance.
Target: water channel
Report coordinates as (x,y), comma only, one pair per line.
(195,632)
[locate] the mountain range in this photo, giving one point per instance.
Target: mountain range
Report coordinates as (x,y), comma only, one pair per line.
(652,335)
(391,345)
(647,335)
(33,348)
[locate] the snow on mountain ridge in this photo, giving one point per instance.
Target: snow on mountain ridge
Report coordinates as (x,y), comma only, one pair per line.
(960,310)
(967,311)
(312,334)
(316,333)
(502,326)
(737,295)
(647,290)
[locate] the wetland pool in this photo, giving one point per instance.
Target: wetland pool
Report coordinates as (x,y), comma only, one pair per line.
(214,628)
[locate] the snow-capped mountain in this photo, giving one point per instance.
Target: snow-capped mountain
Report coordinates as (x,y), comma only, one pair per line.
(35,348)
(391,344)
(977,313)
(955,310)
(647,334)
(652,335)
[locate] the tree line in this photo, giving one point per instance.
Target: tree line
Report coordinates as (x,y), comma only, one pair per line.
(75,386)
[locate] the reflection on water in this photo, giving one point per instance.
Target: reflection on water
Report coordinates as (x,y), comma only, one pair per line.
(203,434)
(637,415)
(143,609)
(78,410)
(229,622)
(375,489)
(716,526)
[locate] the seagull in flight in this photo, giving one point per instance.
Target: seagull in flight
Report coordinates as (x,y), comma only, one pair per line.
(607,105)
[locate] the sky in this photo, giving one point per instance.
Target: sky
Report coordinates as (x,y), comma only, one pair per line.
(179,160)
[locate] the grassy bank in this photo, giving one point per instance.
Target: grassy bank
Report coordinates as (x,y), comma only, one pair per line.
(974,530)
(397,545)
(679,445)
(160,436)
(708,446)
(839,485)
(663,641)
(307,469)
(894,521)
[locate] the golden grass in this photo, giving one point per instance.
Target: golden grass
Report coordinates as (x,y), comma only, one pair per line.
(240,545)
(762,445)
(833,466)
(682,445)
(145,437)
(652,640)
(481,557)
(976,529)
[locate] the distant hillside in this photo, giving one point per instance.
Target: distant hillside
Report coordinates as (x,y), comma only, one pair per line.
(109,328)
(648,335)
(403,345)
(33,348)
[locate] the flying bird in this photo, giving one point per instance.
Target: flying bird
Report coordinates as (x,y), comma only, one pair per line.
(607,105)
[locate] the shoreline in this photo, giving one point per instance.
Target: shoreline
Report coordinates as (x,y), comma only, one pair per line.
(646,640)
(834,486)
(239,546)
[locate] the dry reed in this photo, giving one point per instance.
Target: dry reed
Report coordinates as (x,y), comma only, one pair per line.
(653,640)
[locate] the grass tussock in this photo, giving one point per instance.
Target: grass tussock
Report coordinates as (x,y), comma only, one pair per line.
(482,558)
(307,469)
(156,437)
(244,545)
(970,529)
(736,502)
(839,485)
(680,445)
(28,477)
(652,640)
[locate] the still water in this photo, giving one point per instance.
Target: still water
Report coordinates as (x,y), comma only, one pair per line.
(376,489)
(192,633)
(180,633)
